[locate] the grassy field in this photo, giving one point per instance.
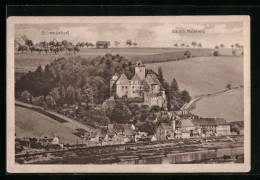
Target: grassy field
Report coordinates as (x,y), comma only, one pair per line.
(203,75)
(228,106)
(29,123)
(27,61)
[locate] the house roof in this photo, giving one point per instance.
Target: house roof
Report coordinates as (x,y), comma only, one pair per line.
(93,135)
(129,132)
(101,134)
(184,123)
(110,134)
(221,121)
(166,126)
(122,127)
(237,123)
(102,42)
(209,121)
(183,130)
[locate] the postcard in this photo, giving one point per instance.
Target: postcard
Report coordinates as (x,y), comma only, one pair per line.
(128,94)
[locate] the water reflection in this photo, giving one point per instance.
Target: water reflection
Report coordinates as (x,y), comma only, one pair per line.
(187,157)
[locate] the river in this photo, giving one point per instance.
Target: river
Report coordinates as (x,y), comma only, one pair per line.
(189,157)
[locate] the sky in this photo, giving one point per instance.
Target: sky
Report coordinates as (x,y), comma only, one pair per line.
(144,34)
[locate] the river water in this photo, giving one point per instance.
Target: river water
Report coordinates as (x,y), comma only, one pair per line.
(187,157)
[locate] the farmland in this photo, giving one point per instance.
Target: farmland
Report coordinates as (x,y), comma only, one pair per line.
(227,105)
(29,123)
(27,61)
(203,75)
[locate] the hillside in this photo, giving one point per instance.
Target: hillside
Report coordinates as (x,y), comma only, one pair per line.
(29,123)
(203,75)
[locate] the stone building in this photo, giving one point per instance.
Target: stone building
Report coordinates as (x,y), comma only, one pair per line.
(147,87)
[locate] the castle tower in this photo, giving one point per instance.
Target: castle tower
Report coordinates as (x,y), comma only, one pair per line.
(140,69)
(113,84)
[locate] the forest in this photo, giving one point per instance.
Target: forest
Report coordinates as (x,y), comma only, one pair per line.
(77,87)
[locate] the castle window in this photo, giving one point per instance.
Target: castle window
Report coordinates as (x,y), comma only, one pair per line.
(133,87)
(122,88)
(126,87)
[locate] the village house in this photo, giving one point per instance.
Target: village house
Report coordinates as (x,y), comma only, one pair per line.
(212,126)
(182,133)
(49,138)
(188,125)
(19,41)
(102,44)
(140,136)
(164,131)
(140,86)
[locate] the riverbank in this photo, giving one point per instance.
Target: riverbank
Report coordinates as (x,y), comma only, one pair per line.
(136,152)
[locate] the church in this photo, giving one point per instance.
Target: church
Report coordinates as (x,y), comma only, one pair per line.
(146,87)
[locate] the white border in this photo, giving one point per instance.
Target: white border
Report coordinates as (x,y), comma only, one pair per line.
(158,168)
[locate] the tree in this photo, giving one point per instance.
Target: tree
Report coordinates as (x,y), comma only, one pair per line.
(182,45)
(228,86)
(160,74)
(92,45)
(200,45)
(216,53)
(216,47)
(116,43)
(32,49)
(237,46)
(185,96)
(29,43)
(222,46)
(187,54)
(194,44)
(56,50)
(187,46)
(135,44)
(82,45)
(22,48)
(232,46)
(176,45)
(46,50)
(52,43)
(65,43)
(129,42)
(58,44)
(174,86)
(76,49)
(70,49)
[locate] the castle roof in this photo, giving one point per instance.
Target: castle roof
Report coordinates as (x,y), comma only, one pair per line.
(139,63)
(136,78)
(122,78)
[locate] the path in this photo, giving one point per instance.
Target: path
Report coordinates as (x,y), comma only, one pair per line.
(194,99)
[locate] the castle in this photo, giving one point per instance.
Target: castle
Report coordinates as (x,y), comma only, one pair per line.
(147,87)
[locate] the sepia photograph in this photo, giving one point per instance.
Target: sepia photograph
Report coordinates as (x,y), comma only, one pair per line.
(128,94)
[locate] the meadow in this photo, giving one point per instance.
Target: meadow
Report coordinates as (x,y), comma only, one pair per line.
(28,61)
(29,123)
(203,75)
(228,106)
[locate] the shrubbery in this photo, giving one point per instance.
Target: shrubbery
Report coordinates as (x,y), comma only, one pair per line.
(187,54)
(216,53)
